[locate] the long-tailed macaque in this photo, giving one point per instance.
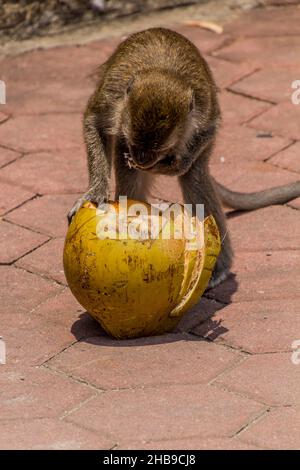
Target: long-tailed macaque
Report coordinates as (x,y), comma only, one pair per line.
(155,110)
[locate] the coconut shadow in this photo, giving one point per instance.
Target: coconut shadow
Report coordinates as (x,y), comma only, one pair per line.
(195,325)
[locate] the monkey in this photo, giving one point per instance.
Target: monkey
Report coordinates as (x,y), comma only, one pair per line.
(155,111)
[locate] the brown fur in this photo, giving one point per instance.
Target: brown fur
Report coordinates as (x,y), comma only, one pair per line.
(155,110)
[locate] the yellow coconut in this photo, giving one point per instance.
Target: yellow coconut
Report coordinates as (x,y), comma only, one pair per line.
(134,277)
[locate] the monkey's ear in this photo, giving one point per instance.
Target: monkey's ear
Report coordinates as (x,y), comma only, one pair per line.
(192,102)
(129,86)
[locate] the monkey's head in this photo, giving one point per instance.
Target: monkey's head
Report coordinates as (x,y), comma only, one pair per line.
(156,121)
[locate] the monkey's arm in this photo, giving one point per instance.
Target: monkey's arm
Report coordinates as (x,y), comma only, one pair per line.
(99,165)
(197,187)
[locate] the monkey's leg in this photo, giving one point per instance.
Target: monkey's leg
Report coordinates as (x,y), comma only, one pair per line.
(198,188)
(99,166)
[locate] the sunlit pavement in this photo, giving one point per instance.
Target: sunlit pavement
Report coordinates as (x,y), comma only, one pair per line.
(228,377)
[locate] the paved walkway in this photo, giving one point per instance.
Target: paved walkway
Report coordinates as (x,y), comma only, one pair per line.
(225,379)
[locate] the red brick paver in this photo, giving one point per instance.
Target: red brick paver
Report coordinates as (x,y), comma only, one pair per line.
(191,443)
(16,241)
(256,327)
(227,377)
(51,434)
(282,119)
(239,109)
(278,429)
(7,156)
(295,203)
(3,117)
(269,85)
(282,20)
(177,411)
(22,291)
(12,197)
(61,171)
(44,261)
(261,377)
(288,158)
(52,132)
(51,222)
(230,147)
(263,51)
(261,275)
(139,363)
(25,395)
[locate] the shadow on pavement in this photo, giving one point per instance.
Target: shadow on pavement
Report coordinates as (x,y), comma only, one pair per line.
(196,325)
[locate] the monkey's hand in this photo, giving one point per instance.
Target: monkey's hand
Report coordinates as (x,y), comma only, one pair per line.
(88,196)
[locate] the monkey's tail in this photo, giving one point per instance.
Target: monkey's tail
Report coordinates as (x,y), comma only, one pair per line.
(257,200)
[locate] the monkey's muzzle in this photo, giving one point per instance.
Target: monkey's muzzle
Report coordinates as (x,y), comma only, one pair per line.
(147,161)
(142,159)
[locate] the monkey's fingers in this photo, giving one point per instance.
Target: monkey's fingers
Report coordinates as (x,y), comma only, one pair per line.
(76,208)
(90,196)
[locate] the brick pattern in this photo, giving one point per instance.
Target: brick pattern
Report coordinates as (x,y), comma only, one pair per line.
(7,156)
(224,379)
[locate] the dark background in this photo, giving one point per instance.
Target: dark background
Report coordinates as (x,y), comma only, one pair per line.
(26,18)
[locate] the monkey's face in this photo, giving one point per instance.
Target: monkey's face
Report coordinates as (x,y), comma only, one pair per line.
(150,160)
(169,161)
(154,124)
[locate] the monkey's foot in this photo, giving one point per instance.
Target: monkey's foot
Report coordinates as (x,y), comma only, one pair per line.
(76,208)
(217,278)
(86,197)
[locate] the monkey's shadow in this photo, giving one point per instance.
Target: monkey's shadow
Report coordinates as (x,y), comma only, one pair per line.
(198,323)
